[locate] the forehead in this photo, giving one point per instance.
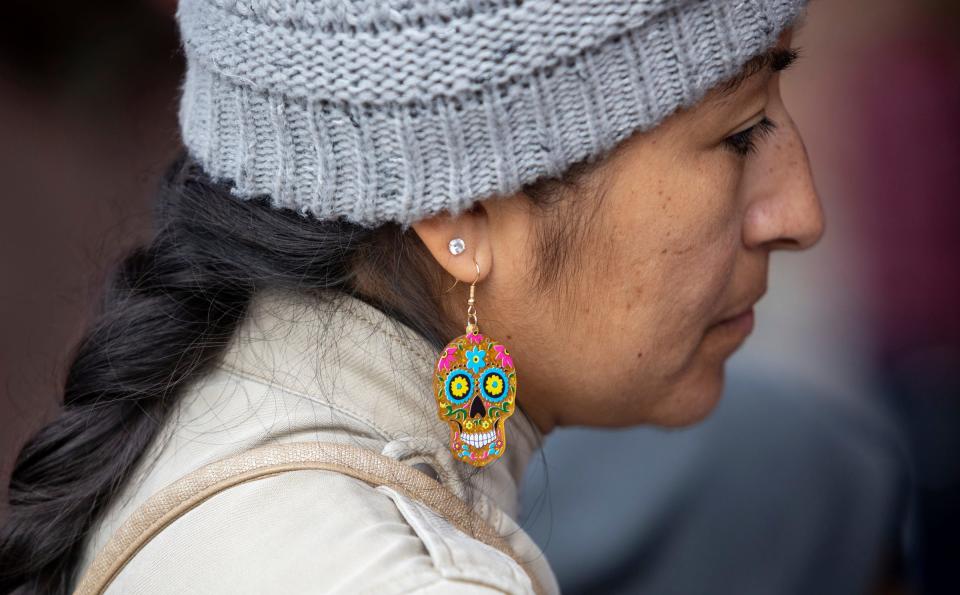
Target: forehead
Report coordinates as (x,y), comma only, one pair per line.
(757,70)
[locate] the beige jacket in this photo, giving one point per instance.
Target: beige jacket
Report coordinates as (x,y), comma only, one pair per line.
(298,369)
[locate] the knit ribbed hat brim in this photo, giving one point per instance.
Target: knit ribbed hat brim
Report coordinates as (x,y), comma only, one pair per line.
(398,110)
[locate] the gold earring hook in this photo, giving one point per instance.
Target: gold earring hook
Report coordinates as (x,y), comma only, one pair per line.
(476,264)
(455,280)
(472,325)
(471,311)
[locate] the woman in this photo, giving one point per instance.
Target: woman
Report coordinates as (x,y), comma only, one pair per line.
(610,179)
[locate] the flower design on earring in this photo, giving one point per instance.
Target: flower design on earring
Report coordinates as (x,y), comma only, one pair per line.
(503,355)
(475,359)
(447,360)
(475,336)
(459,387)
(493,385)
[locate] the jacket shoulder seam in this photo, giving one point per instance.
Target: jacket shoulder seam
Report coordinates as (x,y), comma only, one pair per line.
(269,384)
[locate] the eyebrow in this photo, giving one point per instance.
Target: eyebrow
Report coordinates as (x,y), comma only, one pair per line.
(774,60)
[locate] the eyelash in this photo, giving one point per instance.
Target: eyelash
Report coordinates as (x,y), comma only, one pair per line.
(745,141)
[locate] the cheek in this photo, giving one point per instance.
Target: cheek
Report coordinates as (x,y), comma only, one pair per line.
(668,263)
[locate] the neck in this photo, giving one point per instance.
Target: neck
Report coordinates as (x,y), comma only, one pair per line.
(380,372)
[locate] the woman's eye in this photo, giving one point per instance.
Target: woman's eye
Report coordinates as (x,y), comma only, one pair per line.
(745,141)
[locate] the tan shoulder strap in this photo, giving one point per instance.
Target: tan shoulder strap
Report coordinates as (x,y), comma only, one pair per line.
(191,490)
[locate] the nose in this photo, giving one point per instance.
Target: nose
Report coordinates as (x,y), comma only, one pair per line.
(784,210)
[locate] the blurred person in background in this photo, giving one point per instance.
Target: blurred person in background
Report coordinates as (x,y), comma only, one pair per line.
(738,408)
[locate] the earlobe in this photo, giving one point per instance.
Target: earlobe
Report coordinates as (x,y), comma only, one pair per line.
(472,228)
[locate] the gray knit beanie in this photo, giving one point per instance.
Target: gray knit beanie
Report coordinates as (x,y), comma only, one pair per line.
(394,110)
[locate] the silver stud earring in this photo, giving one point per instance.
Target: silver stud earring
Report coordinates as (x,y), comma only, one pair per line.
(456,246)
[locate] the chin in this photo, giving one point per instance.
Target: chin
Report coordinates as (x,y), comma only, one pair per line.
(691,401)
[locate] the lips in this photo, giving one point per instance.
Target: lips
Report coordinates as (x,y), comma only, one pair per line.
(745,310)
(736,316)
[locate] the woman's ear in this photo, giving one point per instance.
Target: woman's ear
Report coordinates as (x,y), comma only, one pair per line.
(473,227)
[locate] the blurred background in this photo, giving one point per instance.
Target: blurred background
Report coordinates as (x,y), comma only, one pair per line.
(833,462)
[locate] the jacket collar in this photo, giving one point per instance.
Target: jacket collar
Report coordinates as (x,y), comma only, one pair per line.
(376,374)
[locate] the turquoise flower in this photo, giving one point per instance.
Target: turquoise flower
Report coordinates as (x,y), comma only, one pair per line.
(475,359)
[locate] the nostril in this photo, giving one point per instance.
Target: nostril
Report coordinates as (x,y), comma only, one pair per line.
(476,408)
(785,244)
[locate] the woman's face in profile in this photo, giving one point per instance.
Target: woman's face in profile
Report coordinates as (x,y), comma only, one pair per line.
(680,240)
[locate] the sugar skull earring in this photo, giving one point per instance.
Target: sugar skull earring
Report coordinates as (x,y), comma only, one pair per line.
(475,385)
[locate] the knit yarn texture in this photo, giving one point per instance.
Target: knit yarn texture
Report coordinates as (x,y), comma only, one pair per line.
(394,110)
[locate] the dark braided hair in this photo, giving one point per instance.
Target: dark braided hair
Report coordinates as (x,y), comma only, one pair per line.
(169,312)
